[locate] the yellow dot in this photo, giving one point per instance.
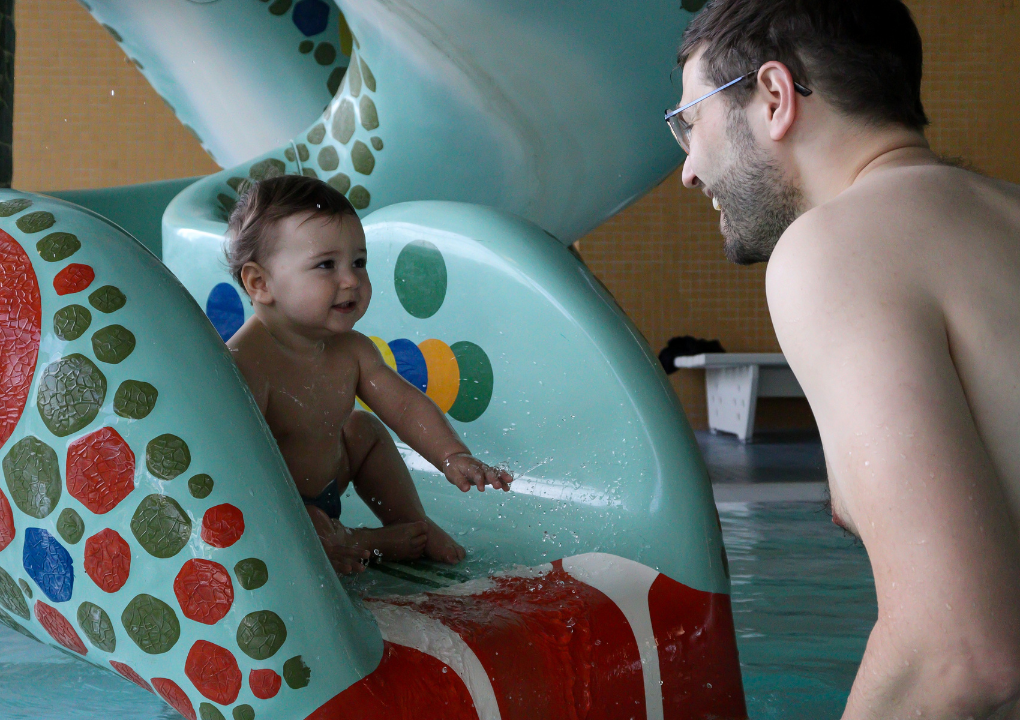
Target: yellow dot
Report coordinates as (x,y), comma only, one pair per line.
(388,358)
(444,373)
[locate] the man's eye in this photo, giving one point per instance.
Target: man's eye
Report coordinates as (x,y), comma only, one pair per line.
(360,263)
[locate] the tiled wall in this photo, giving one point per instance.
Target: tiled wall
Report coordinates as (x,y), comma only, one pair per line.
(85,117)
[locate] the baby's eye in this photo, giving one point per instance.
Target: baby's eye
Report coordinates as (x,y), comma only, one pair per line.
(360,263)
(326,265)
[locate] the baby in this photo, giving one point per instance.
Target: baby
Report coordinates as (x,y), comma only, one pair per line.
(297,248)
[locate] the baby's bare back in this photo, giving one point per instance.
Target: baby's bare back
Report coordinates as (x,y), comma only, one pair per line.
(306,401)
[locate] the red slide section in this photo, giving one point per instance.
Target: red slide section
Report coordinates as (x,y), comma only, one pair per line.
(20,328)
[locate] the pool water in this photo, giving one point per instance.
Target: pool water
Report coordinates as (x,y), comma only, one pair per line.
(803,602)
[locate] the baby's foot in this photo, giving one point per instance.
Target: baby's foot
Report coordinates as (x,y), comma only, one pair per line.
(442,547)
(400,541)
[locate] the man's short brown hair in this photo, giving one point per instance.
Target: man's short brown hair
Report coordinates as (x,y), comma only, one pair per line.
(266,202)
(862,56)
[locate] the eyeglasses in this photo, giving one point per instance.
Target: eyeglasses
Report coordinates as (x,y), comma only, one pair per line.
(681,129)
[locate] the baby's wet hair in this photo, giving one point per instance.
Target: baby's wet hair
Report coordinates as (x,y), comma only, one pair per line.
(265,202)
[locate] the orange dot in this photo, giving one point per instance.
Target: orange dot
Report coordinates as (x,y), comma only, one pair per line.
(444,373)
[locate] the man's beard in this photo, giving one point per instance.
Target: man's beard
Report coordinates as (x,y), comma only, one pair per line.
(758,202)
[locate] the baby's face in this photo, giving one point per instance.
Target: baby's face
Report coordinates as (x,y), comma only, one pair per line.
(317,275)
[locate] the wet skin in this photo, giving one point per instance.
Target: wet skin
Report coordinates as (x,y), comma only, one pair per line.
(896,298)
(305,364)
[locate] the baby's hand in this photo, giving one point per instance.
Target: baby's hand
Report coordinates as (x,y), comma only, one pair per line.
(465,470)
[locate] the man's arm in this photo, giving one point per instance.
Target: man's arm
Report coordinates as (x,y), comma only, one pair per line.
(910,471)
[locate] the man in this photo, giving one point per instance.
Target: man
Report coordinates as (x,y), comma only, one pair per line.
(894,287)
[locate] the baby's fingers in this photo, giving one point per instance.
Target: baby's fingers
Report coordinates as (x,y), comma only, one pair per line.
(461,482)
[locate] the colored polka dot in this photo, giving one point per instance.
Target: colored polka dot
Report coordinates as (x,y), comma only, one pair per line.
(362,158)
(227,204)
(70,526)
(325,53)
(261,634)
(71,322)
(25,588)
(36,221)
(476,382)
(96,625)
(343,122)
(116,35)
(264,684)
(334,79)
(58,246)
(107,560)
(692,6)
(171,691)
(296,673)
(222,525)
(302,152)
(13,207)
(49,564)
(268,168)
(33,476)
(151,624)
(280,7)
(225,310)
(443,373)
(311,16)
(340,182)
(359,197)
(71,391)
(167,456)
(308,172)
(204,591)
(420,279)
(377,143)
(74,278)
(100,470)
(346,37)
(131,675)
(243,712)
(209,712)
(113,343)
(107,299)
(316,134)
(328,159)
(290,154)
(367,75)
(238,185)
(410,363)
(200,486)
(161,526)
(11,596)
(135,399)
(252,573)
(369,115)
(10,622)
(7,530)
(305,47)
(354,79)
(214,672)
(59,629)
(20,331)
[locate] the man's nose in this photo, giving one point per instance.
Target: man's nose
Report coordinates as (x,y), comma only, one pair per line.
(690,179)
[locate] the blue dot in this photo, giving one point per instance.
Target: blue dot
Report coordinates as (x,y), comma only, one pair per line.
(49,564)
(225,310)
(411,363)
(311,16)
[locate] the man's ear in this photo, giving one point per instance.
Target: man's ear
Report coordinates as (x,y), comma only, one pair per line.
(775,82)
(254,278)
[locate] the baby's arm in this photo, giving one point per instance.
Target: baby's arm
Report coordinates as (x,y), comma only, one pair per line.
(420,423)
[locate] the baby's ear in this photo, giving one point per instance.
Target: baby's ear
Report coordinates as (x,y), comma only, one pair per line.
(253,277)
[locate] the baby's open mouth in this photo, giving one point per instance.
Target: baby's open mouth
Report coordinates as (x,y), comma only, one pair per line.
(345,307)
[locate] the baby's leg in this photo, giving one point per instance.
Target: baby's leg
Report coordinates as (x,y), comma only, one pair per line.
(381,479)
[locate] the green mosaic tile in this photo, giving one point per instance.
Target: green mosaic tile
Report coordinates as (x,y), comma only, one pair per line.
(354,79)
(367,75)
(70,526)
(328,159)
(325,53)
(244,712)
(362,158)
(302,152)
(238,184)
(71,391)
(167,456)
(97,626)
(252,573)
(335,78)
(308,172)
(200,486)
(343,122)
(36,222)
(280,7)
(107,299)
(11,597)
(25,588)
(209,712)
(135,399)
(33,476)
(71,322)
(290,154)
(151,624)
(341,182)
(161,526)
(377,143)
(113,343)
(369,115)
(305,47)
(316,134)
(296,674)
(58,246)
(268,168)
(261,634)
(359,197)
(13,207)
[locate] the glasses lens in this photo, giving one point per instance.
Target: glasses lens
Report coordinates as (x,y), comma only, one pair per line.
(680,131)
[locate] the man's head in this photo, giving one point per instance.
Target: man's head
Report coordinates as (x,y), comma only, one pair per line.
(862,62)
(296,245)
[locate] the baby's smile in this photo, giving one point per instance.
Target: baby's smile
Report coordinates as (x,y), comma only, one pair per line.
(346,307)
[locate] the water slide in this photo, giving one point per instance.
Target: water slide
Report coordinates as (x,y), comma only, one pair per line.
(147,521)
